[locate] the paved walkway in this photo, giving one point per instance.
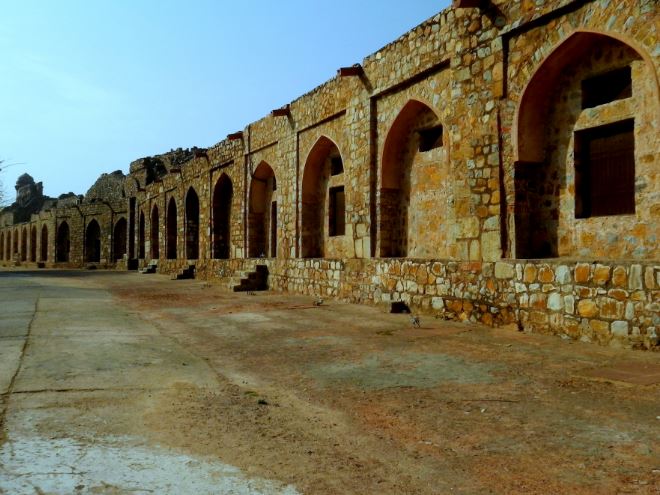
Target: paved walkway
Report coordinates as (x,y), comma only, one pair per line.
(76,370)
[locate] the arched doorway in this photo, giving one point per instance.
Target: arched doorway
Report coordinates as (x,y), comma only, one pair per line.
(44,243)
(323,199)
(192,225)
(578,151)
(413,196)
(24,242)
(2,245)
(15,251)
(262,214)
(62,243)
(222,199)
(119,238)
(33,243)
(155,248)
(93,242)
(171,230)
(141,238)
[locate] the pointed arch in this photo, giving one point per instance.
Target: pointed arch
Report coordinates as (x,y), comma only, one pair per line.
(93,242)
(120,238)
(569,168)
(414,178)
(33,243)
(155,248)
(141,239)
(323,206)
(223,193)
(24,243)
(44,243)
(171,230)
(62,243)
(2,245)
(192,224)
(262,213)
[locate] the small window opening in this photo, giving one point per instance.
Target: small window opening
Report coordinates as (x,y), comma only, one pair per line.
(337,211)
(430,139)
(274,184)
(605,88)
(336,165)
(605,170)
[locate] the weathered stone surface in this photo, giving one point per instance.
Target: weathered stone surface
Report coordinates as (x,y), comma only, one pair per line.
(587,308)
(504,270)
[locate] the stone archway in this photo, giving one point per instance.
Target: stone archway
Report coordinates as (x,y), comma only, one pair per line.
(192,225)
(222,201)
(93,242)
(62,243)
(262,213)
(120,238)
(171,230)
(155,248)
(44,243)
(414,178)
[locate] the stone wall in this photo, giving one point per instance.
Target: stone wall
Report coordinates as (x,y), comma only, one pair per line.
(466,148)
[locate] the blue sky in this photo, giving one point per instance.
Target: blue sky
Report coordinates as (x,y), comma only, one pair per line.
(89,86)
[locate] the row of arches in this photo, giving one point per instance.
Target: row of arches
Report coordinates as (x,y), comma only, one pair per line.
(16,243)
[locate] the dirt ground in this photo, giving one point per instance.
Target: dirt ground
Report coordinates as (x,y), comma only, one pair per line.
(347,399)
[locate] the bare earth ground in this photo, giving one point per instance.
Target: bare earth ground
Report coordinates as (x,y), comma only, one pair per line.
(330,400)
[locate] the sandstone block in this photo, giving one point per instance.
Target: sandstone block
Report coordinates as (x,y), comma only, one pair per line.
(601,274)
(563,274)
(504,270)
(555,302)
(620,328)
(546,275)
(619,277)
(582,271)
(530,273)
(635,277)
(587,308)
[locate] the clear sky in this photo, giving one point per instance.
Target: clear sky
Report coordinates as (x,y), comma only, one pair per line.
(88,86)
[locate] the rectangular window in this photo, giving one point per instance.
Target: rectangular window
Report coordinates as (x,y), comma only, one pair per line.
(605,88)
(337,213)
(430,139)
(605,170)
(336,165)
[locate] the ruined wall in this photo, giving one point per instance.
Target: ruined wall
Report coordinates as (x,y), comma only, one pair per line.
(470,150)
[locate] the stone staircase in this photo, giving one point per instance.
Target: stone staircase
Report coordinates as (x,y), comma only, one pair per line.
(251,281)
(151,267)
(184,273)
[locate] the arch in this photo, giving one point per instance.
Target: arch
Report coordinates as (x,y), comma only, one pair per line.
(414,178)
(120,238)
(223,194)
(141,239)
(192,224)
(33,243)
(323,159)
(24,242)
(44,243)
(171,230)
(155,248)
(62,242)
(553,185)
(14,244)
(262,213)
(2,245)
(93,242)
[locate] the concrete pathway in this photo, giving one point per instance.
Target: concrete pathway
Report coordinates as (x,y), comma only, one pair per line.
(77,372)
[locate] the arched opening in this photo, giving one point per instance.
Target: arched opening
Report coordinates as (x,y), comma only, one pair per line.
(141,239)
(62,243)
(24,242)
(120,239)
(222,199)
(15,252)
(33,243)
(44,243)
(2,245)
(192,225)
(171,230)
(323,203)
(576,144)
(155,249)
(414,186)
(93,242)
(262,215)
